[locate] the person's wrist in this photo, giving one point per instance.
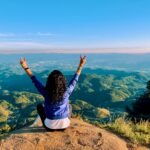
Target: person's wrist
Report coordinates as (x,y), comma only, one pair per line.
(25,67)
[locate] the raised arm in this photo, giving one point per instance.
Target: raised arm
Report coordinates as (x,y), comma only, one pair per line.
(36,82)
(74,80)
(24,65)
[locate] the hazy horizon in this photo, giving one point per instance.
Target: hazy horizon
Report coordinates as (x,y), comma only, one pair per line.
(78,51)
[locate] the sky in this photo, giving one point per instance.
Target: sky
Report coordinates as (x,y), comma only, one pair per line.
(74,26)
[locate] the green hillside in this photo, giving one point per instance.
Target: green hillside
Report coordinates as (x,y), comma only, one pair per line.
(99,96)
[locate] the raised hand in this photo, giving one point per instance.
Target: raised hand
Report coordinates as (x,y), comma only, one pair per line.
(82,60)
(23,63)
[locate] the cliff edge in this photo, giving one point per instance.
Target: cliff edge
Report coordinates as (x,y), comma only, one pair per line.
(79,136)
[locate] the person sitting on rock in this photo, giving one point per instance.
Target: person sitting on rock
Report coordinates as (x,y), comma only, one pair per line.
(56,111)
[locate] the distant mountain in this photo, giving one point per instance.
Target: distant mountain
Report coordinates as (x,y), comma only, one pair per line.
(40,62)
(108,83)
(97,90)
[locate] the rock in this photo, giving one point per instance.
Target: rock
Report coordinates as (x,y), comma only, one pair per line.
(79,136)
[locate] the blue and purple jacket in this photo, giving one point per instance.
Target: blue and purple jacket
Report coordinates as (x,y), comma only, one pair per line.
(59,110)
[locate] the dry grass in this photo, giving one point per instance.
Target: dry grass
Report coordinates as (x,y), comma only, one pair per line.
(138,133)
(102,113)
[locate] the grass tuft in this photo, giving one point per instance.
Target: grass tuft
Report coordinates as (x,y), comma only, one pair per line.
(138,133)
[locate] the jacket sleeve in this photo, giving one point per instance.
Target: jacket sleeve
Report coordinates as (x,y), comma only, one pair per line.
(71,85)
(38,85)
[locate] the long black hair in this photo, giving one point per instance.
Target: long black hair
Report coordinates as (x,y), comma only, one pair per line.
(56,86)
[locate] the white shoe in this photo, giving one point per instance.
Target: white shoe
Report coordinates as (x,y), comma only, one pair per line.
(36,122)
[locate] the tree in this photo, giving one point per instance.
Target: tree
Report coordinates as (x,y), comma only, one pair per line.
(141,107)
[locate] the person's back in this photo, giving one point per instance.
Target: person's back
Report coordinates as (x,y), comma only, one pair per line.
(56,111)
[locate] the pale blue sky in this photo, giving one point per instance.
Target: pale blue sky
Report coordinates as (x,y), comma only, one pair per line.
(46,24)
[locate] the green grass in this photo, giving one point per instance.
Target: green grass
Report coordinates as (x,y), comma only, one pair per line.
(138,133)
